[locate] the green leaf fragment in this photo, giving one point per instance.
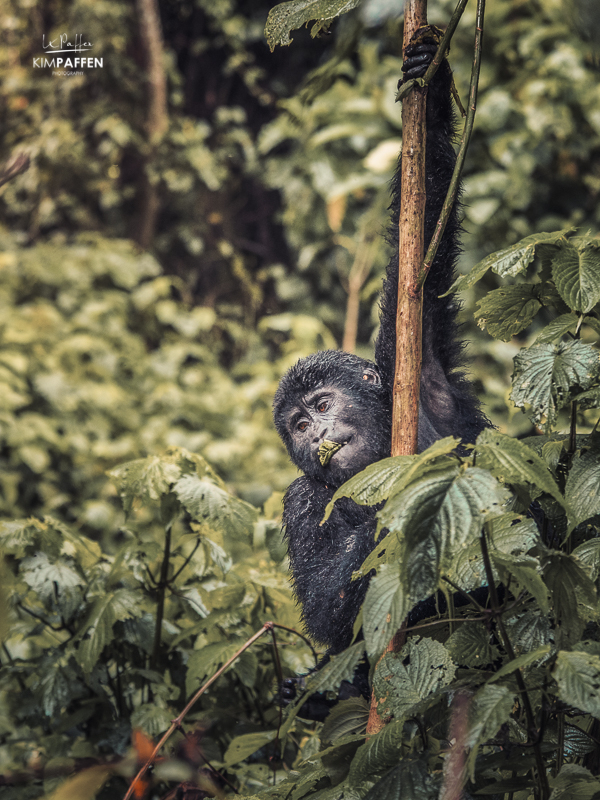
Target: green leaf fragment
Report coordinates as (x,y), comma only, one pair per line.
(290,16)
(506,311)
(327,449)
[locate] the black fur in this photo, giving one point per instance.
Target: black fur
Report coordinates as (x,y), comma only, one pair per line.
(340,397)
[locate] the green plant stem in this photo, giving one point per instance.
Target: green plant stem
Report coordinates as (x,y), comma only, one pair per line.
(176,723)
(462,150)
(162,591)
(533,732)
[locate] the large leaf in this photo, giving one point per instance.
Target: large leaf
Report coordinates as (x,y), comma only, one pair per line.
(578,677)
(508,310)
(287,17)
(513,462)
(243,746)
(490,708)
(470,645)
(410,780)
(149,478)
(525,571)
(339,668)
(511,261)
(385,607)
(556,329)
(547,376)
(574,782)
(438,514)
(374,484)
(403,679)
(208,503)
(98,627)
(583,487)
(347,718)
(576,273)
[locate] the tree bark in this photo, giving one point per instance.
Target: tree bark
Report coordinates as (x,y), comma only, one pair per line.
(405,409)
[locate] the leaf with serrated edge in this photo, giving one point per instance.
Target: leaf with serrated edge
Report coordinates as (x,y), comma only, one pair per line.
(339,668)
(290,16)
(524,569)
(513,462)
(546,377)
(507,311)
(511,261)
(583,487)
(491,708)
(576,273)
(557,328)
(348,718)
(578,677)
(373,484)
(385,606)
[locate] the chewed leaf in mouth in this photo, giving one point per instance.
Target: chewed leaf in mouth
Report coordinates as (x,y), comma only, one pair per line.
(327,450)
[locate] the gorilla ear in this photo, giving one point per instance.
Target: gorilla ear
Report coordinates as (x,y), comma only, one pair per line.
(371,375)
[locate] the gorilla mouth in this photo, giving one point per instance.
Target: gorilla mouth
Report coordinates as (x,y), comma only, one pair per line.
(327,450)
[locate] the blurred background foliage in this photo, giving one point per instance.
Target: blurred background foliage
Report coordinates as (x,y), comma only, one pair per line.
(270,185)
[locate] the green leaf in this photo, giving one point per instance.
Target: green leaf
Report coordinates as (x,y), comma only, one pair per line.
(97,630)
(576,273)
(583,487)
(547,376)
(437,516)
(202,664)
(507,310)
(404,679)
(385,607)
(410,780)
(347,718)
(589,555)
(340,668)
(491,707)
(511,261)
(529,631)
(509,533)
(148,478)
(374,484)
(470,645)
(524,570)
(556,329)
(208,503)
(574,782)
(513,462)
(520,662)
(589,399)
(287,17)
(151,718)
(578,677)
(377,754)
(243,746)
(572,591)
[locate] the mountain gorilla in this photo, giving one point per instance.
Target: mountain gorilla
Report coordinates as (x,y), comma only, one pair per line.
(344,401)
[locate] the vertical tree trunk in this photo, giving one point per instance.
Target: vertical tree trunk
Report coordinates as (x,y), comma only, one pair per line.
(157,120)
(405,412)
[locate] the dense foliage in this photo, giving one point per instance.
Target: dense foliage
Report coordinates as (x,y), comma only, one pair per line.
(129,570)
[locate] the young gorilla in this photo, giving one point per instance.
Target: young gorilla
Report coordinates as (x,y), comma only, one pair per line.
(338,397)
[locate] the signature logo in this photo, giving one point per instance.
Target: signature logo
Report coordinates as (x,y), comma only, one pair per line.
(61,44)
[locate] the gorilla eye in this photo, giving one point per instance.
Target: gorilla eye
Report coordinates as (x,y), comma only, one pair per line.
(322,406)
(302,426)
